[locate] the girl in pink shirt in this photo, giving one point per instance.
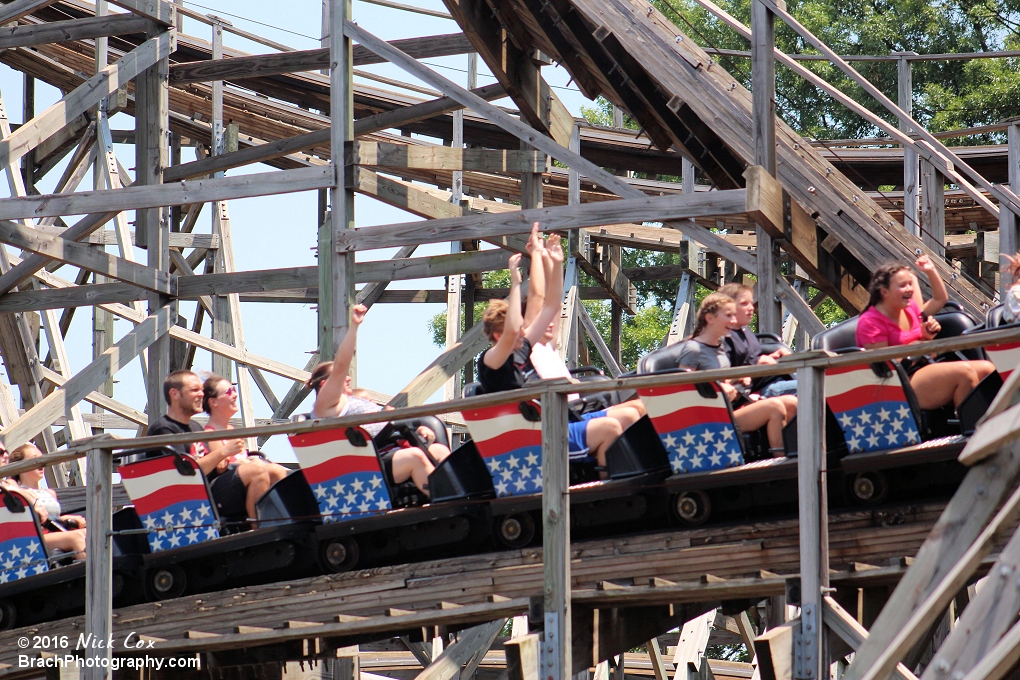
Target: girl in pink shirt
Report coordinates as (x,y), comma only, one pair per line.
(898,315)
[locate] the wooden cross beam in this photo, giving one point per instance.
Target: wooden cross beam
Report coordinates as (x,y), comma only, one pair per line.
(85,381)
(81,99)
(73,29)
(21,8)
(83,256)
(160,195)
(551,219)
(445,158)
(259,65)
(160,11)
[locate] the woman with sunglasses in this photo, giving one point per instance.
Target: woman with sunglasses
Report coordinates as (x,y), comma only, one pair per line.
(60,532)
(245,476)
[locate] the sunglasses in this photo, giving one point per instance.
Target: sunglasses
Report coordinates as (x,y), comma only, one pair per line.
(231,391)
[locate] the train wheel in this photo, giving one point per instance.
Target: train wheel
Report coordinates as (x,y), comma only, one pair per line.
(869,488)
(167,582)
(8,615)
(339,555)
(515,531)
(692,507)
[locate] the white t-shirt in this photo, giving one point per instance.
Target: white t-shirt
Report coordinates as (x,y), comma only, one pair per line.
(548,365)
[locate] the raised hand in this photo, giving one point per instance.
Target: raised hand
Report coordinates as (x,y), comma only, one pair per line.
(358,314)
(555,248)
(925,264)
(930,328)
(515,271)
(535,241)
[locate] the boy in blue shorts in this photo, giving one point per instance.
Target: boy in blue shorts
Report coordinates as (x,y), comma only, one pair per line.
(506,365)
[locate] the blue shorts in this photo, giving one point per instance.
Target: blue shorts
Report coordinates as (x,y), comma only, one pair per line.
(779,388)
(577,434)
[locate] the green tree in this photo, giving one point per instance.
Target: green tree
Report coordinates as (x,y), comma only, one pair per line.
(947,94)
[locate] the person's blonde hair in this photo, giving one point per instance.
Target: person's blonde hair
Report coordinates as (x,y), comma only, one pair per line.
(735,289)
(494,318)
(712,303)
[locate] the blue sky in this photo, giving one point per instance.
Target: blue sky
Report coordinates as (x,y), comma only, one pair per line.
(280,231)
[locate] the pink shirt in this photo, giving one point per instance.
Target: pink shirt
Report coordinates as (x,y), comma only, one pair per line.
(873,326)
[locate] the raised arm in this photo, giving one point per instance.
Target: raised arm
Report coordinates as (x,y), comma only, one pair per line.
(497,355)
(536,279)
(939,295)
(554,292)
(332,390)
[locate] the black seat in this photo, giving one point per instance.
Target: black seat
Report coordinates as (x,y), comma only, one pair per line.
(993,317)
(661,359)
(954,323)
(770,342)
(842,336)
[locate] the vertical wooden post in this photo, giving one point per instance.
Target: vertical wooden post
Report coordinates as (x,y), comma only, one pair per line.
(451,390)
(556,647)
(102,320)
(1009,234)
(28,113)
(763,91)
(933,208)
(905,90)
(152,224)
(570,329)
(99,562)
(222,326)
(336,270)
(617,116)
(809,647)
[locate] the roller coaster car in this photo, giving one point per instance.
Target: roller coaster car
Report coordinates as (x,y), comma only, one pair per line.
(34,586)
(356,497)
(186,546)
(509,439)
(850,392)
(1005,355)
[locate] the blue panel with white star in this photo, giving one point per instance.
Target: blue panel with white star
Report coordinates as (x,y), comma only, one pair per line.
(710,446)
(877,427)
(350,496)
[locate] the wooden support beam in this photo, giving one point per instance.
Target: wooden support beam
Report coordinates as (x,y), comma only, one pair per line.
(439,371)
(417,112)
(160,11)
(853,633)
(553,146)
(73,29)
(180,193)
(551,219)
(261,65)
(389,155)
(611,277)
(448,664)
(933,208)
(83,256)
(514,69)
(13,11)
(986,618)
(371,293)
(86,380)
(596,338)
(814,521)
(556,662)
(1009,225)
(99,562)
(793,229)
(911,186)
(944,562)
(522,657)
(774,650)
(691,645)
(78,101)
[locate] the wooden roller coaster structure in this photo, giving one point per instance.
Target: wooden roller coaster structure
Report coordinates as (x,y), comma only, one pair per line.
(783,200)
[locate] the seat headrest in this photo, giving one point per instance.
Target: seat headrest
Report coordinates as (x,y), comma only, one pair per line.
(661,359)
(840,336)
(472,389)
(993,317)
(954,322)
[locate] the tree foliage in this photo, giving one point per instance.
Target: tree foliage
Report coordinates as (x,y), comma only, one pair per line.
(946,94)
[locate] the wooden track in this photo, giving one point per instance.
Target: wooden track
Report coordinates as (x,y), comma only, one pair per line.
(860,543)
